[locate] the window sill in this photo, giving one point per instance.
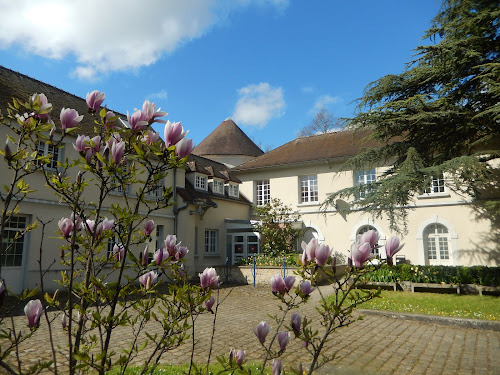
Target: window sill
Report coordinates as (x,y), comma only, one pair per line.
(308,204)
(433,195)
(211,255)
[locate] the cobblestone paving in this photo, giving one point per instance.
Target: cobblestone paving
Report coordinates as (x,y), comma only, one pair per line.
(375,345)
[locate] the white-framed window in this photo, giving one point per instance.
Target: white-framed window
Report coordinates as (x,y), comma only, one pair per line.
(308,189)
(156,191)
(13,241)
(211,241)
(217,186)
(233,190)
(436,185)
(437,244)
(364,177)
(46,149)
(263,192)
(200,182)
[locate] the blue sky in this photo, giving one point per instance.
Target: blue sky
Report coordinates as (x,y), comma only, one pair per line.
(268,64)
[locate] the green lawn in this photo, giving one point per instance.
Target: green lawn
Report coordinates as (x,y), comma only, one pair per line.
(461,306)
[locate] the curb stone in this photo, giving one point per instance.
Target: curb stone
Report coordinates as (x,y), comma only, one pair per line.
(445,320)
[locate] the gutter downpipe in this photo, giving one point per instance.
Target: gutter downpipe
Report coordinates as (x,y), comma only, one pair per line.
(177,209)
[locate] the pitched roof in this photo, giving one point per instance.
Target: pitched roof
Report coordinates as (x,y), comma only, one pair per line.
(20,86)
(210,168)
(227,139)
(313,148)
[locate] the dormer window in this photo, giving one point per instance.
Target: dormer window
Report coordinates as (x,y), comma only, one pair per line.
(218,186)
(233,190)
(200,182)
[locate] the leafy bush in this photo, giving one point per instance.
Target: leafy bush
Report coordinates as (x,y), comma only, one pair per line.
(481,275)
(263,260)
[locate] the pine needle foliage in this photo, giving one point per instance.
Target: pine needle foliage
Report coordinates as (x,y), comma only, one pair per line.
(440,116)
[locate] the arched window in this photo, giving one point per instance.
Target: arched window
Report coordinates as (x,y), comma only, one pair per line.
(437,245)
(308,234)
(364,229)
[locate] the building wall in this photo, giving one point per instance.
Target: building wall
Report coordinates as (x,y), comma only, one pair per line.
(470,238)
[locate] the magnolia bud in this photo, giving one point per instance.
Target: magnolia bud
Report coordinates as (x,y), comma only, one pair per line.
(79,178)
(8,153)
(56,293)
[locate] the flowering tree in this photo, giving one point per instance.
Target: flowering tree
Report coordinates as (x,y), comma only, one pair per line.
(102,287)
(277,227)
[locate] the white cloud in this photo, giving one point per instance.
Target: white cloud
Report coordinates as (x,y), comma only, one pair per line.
(258,104)
(162,95)
(308,89)
(111,35)
(323,102)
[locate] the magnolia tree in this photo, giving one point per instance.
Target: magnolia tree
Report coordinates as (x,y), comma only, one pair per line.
(130,284)
(335,305)
(103,289)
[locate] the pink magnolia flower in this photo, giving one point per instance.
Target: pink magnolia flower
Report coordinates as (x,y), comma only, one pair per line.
(181,251)
(77,221)
(82,143)
(118,251)
(283,338)
(305,288)
(110,120)
(392,246)
(371,237)
(145,257)
(309,250)
(262,331)
(148,279)
(107,224)
(278,285)
(117,150)
(137,121)
(322,253)
(69,118)
(33,311)
(184,147)
(66,226)
(173,133)
(171,243)
(239,357)
(90,225)
(289,281)
(209,278)
(64,321)
(160,256)
(210,303)
(94,99)
(150,114)
(150,137)
(277,366)
(296,321)
(360,253)
(149,227)
(45,107)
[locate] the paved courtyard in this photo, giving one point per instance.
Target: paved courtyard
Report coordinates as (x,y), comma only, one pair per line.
(378,344)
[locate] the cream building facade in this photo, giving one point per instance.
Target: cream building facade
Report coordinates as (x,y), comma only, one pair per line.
(444,228)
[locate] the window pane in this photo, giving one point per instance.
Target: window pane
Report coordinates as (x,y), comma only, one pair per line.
(308,189)
(13,247)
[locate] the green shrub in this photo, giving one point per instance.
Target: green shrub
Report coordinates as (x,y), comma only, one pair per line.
(263,260)
(481,275)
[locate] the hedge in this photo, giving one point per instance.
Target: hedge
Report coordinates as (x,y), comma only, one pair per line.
(480,275)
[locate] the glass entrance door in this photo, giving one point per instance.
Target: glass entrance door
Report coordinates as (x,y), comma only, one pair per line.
(244,245)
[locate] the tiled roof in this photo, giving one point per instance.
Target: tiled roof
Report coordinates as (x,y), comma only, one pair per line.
(20,86)
(190,194)
(210,168)
(227,139)
(313,148)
